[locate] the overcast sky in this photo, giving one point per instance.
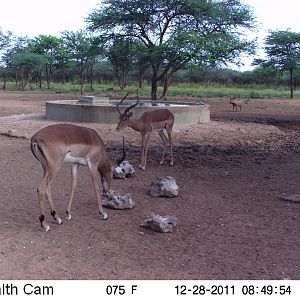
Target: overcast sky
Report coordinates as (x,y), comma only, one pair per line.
(273,15)
(34,17)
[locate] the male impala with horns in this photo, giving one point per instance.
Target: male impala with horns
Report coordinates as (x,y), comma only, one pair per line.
(156,120)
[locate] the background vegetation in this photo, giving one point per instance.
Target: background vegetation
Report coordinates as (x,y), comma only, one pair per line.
(167,48)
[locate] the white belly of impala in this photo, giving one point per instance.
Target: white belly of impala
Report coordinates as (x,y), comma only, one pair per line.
(69,159)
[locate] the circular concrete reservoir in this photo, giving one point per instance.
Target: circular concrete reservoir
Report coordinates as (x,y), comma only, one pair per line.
(90,109)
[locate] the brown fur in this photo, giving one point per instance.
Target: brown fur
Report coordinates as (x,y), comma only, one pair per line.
(236,104)
(52,144)
(156,120)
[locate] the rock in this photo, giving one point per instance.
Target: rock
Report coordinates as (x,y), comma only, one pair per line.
(293,198)
(160,223)
(164,187)
(124,170)
(114,200)
(118,173)
(127,168)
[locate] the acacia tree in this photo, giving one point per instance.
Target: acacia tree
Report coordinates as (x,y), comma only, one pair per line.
(175,33)
(121,56)
(51,48)
(26,64)
(82,48)
(283,53)
(6,39)
(19,46)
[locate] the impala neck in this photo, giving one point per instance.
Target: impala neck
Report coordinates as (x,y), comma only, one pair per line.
(136,124)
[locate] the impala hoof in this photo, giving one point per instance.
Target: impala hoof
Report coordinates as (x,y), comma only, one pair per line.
(142,167)
(59,221)
(68,216)
(46,228)
(104,217)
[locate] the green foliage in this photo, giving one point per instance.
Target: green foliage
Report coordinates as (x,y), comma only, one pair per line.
(82,48)
(148,44)
(185,91)
(121,55)
(28,60)
(283,53)
(175,33)
(283,49)
(52,49)
(5,39)
(26,64)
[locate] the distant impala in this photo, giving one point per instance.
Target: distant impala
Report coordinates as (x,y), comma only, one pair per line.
(75,145)
(236,103)
(156,120)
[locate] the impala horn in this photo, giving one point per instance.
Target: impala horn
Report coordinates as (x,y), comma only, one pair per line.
(133,105)
(118,104)
(124,154)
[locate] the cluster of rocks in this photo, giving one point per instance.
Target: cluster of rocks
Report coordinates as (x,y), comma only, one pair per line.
(123,170)
(160,187)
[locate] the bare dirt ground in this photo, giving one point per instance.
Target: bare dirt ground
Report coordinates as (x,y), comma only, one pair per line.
(232,222)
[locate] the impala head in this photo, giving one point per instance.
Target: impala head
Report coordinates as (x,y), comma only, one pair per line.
(126,115)
(232,100)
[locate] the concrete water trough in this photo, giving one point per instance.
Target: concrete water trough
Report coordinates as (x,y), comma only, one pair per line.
(92,109)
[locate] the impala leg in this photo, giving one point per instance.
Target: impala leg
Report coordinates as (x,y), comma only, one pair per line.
(141,166)
(164,140)
(74,172)
(94,175)
(169,132)
(41,196)
(147,140)
(42,191)
(51,203)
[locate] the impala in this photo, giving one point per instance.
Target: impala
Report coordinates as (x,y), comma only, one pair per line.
(236,103)
(156,120)
(75,145)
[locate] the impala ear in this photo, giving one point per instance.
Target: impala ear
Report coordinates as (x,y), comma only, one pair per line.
(130,114)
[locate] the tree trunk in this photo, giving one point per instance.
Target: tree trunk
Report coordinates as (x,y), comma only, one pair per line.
(40,81)
(154,85)
(167,81)
(292,82)
(154,90)
(48,75)
(5,80)
(81,77)
(64,75)
(141,79)
(91,79)
(16,79)
(29,80)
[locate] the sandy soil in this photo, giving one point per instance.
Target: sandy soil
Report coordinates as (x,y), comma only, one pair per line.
(232,222)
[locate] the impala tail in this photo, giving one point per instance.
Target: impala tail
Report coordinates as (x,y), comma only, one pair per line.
(38,152)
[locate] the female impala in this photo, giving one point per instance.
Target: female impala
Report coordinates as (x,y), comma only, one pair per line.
(156,120)
(76,145)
